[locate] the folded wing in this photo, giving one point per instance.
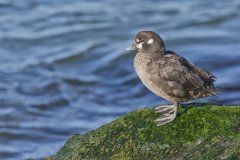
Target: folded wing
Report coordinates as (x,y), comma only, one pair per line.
(181,79)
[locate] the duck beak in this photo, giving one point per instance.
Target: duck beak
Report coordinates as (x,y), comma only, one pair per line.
(132,47)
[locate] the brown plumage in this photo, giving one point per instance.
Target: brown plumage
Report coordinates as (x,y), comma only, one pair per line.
(169,75)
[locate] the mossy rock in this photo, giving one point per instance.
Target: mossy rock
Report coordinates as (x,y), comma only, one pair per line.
(199,132)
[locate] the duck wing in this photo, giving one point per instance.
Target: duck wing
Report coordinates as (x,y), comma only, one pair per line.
(181,79)
(203,74)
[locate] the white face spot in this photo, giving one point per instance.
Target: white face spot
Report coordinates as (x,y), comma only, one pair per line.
(150,41)
(139,45)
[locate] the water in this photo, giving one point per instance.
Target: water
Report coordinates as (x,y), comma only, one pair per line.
(64,69)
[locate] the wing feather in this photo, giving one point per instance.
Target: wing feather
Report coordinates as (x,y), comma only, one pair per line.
(175,70)
(179,78)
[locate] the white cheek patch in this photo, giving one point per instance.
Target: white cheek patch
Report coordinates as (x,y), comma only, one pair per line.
(139,45)
(150,41)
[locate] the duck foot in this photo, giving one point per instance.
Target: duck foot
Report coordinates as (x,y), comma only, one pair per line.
(166,109)
(168,114)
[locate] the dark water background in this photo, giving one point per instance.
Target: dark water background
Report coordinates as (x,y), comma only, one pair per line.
(64,69)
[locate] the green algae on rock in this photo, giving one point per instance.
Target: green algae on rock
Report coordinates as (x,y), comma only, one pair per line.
(206,132)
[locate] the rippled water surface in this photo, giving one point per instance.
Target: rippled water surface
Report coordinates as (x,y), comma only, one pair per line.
(64,69)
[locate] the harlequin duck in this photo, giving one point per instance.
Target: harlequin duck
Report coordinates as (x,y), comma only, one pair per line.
(169,75)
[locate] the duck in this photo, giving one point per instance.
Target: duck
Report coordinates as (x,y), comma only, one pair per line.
(168,75)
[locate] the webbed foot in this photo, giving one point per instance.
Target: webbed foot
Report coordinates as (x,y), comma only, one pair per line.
(168,114)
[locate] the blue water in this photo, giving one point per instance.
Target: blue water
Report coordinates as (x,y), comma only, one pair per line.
(64,69)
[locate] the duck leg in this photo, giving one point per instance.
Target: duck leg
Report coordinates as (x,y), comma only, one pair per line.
(168,113)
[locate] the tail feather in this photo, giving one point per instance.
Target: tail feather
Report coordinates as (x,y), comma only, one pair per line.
(206,91)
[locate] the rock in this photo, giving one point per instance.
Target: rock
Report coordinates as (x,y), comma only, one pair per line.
(199,132)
